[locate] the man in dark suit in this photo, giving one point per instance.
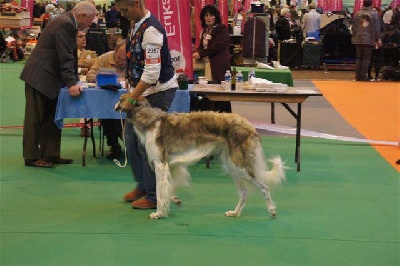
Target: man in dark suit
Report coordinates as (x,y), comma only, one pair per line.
(51,66)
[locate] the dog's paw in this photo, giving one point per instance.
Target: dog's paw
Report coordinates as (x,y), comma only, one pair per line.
(272,213)
(156,215)
(177,201)
(231,214)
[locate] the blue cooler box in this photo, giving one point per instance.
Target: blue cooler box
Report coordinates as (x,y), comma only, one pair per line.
(104,79)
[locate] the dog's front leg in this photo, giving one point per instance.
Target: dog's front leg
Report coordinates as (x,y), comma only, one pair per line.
(164,190)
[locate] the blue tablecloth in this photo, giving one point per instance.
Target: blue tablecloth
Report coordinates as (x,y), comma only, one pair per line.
(99,103)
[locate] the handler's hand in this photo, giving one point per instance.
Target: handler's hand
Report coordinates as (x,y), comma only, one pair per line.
(75,91)
(123,104)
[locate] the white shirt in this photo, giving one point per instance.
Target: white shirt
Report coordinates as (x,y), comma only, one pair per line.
(151,72)
(387,17)
(311,22)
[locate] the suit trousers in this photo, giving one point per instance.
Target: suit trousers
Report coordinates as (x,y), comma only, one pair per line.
(41,136)
(144,174)
(112,131)
(363,58)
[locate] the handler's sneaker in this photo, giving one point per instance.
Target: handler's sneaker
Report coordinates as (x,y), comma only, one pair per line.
(144,204)
(134,195)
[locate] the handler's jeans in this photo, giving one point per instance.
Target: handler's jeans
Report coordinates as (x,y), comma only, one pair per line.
(143,173)
(363,56)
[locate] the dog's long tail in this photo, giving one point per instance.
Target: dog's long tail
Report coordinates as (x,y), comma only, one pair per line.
(276,174)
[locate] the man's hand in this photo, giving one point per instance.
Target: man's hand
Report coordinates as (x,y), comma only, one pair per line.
(75,91)
(125,103)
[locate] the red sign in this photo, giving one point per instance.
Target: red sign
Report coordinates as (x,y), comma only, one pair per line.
(223,10)
(174,15)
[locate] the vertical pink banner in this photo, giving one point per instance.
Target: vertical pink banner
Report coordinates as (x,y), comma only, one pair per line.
(357,6)
(174,15)
(331,5)
(377,3)
(247,5)
(29,5)
(223,9)
(395,3)
(236,6)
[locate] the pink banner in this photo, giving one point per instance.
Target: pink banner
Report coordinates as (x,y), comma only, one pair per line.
(174,15)
(395,3)
(247,5)
(28,4)
(331,5)
(223,9)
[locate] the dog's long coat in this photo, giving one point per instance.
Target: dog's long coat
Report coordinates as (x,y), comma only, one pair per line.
(174,141)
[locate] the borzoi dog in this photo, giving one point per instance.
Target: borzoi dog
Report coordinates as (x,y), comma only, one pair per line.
(174,141)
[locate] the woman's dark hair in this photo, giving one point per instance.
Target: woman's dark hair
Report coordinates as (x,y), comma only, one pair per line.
(213,11)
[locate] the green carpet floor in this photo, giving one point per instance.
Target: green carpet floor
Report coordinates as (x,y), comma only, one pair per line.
(343,208)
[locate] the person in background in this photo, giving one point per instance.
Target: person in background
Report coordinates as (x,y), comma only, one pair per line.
(112,127)
(366,36)
(311,21)
(214,49)
(86,59)
(282,25)
(390,40)
(293,13)
(238,18)
(112,17)
(50,13)
(51,66)
(387,16)
(150,74)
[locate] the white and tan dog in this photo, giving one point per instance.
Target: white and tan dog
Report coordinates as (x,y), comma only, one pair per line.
(174,141)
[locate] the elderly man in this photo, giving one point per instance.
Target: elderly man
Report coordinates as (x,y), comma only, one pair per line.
(112,127)
(150,74)
(311,21)
(52,65)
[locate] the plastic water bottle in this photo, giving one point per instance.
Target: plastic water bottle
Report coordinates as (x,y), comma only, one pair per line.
(228,80)
(239,81)
(252,73)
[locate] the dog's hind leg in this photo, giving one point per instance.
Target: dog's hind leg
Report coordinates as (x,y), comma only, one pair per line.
(243,194)
(164,190)
(265,191)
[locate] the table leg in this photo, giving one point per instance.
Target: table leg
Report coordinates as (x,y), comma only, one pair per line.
(88,122)
(85,126)
(273,113)
(298,129)
(92,138)
(298,135)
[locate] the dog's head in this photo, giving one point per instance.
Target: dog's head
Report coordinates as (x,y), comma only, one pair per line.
(127,107)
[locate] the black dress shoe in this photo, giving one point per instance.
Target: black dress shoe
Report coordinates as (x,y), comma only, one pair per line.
(58,160)
(38,163)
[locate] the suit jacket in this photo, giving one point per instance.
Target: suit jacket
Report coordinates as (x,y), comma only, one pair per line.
(218,51)
(53,63)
